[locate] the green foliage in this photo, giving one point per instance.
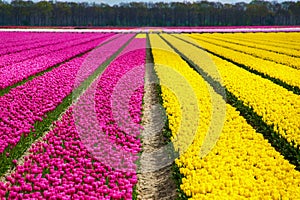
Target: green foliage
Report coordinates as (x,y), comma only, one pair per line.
(134,193)
(177,176)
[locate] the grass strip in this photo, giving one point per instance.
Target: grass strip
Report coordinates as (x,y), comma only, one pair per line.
(280,144)
(7,89)
(294,89)
(43,126)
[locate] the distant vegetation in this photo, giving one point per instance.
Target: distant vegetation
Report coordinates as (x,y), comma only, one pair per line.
(202,13)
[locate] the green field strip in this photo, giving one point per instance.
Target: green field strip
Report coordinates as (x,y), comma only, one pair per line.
(7,89)
(279,143)
(294,89)
(238,42)
(241,51)
(41,127)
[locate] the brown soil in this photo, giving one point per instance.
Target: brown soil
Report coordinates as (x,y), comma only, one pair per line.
(155,172)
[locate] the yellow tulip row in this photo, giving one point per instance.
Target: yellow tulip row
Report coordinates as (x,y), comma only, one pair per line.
(242,163)
(274,103)
(264,40)
(141,35)
(284,73)
(251,49)
(180,98)
(290,39)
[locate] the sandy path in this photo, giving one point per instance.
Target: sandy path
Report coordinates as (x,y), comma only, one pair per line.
(155,172)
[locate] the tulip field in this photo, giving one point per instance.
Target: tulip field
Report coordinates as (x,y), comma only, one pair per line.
(72,113)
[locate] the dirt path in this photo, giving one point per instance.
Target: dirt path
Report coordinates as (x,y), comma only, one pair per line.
(155,172)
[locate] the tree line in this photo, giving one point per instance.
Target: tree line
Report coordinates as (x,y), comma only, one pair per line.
(201,13)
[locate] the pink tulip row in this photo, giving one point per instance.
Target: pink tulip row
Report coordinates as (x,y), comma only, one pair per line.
(18,53)
(28,103)
(61,167)
(29,43)
(115,103)
(45,48)
(123,90)
(70,161)
(17,72)
(8,39)
(99,55)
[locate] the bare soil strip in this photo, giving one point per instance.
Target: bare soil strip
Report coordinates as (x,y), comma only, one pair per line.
(155,176)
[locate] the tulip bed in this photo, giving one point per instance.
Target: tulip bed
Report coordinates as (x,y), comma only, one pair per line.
(276,105)
(72,105)
(30,102)
(273,39)
(250,40)
(291,61)
(64,164)
(14,73)
(43,47)
(18,41)
(242,164)
(282,72)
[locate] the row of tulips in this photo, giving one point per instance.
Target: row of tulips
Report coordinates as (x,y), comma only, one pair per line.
(10,39)
(42,48)
(61,167)
(108,115)
(119,95)
(241,164)
(276,39)
(251,40)
(284,73)
(30,102)
(70,162)
(276,105)
(28,43)
(17,72)
(283,59)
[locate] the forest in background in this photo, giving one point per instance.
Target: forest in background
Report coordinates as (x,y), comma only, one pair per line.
(202,13)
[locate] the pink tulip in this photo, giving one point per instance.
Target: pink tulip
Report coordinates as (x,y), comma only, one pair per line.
(76,170)
(48,89)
